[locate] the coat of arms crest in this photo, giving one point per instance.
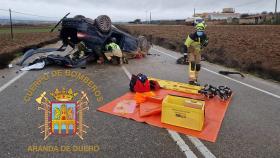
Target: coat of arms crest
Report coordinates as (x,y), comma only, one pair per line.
(63,115)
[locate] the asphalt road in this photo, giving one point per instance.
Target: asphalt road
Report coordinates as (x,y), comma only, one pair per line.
(250,127)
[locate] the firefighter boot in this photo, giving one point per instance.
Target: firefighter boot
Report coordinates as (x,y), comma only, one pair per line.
(192,76)
(193,73)
(197,70)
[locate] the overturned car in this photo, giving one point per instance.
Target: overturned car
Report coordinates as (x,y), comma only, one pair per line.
(90,37)
(97,33)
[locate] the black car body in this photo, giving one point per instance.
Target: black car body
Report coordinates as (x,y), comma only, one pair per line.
(97,33)
(94,34)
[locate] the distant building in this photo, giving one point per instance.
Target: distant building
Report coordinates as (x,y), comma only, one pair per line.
(247,21)
(228,10)
(229,16)
(233,21)
(222,16)
(256,19)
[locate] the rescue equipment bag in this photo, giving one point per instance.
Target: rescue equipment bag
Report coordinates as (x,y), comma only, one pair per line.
(139,83)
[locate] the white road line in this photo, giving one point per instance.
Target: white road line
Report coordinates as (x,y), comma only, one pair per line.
(245,84)
(198,144)
(12,81)
(174,135)
(181,143)
(201,147)
(128,74)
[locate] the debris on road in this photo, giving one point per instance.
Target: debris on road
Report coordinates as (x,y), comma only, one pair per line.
(10,66)
(32,52)
(11,49)
(153,54)
(231,72)
(36,66)
(182,61)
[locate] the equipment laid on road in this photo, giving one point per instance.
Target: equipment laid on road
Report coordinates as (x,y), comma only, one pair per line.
(154,85)
(142,97)
(185,108)
(150,113)
(183,112)
(222,91)
(139,83)
(125,107)
(152,106)
(177,86)
(208,90)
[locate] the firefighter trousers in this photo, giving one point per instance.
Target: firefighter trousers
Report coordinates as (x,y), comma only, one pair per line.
(194,63)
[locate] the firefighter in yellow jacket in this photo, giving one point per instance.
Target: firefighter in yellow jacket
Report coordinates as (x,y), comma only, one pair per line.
(113,52)
(194,43)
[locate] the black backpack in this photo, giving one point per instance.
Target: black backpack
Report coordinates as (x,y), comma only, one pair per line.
(132,82)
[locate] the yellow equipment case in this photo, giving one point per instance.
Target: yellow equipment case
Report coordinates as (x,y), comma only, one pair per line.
(183,112)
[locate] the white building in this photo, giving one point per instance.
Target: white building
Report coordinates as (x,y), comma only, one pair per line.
(222,16)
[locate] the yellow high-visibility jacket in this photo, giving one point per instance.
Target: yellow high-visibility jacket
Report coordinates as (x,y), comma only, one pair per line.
(196,42)
(113,50)
(112,46)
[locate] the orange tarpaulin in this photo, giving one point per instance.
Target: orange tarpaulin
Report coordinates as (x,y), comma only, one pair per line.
(214,113)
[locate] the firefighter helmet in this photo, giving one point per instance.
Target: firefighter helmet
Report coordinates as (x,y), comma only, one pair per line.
(200,27)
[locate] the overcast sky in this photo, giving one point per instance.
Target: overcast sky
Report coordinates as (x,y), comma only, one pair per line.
(127,10)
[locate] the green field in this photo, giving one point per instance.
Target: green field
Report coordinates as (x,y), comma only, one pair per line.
(26,29)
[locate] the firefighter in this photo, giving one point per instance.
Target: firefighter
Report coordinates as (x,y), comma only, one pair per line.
(113,52)
(79,52)
(194,43)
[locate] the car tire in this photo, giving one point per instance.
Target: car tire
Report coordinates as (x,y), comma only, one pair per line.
(103,23)
(143,44)
(79,17)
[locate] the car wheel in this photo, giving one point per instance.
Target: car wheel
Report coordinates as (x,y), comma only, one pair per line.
(103,23)
(143,44)
(79,17)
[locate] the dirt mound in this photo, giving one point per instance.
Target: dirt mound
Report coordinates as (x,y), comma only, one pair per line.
(253,49)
